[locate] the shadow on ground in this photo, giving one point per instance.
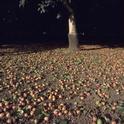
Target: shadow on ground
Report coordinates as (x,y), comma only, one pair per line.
(102,44)
(34,47)
(26,48)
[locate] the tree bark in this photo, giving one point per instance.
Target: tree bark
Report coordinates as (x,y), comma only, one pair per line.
(72,34)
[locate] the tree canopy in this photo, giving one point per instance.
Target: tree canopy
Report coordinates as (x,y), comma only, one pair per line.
(43,5)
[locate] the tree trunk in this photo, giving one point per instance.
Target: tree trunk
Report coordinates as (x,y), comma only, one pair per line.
(72,34)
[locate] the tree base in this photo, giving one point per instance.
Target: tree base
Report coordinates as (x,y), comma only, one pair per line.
(73,42)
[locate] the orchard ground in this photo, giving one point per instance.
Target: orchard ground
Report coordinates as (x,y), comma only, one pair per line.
(50,85)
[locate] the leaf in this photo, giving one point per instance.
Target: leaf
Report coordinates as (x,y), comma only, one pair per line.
(78,61)
(63,122)
(60,121)
(22,3)
(99,121)
(121,107)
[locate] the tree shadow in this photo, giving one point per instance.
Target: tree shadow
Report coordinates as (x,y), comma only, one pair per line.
(100,44)
(27,48)
(93,47)
(35,47)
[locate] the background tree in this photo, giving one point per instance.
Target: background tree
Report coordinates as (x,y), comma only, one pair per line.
(43,6)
